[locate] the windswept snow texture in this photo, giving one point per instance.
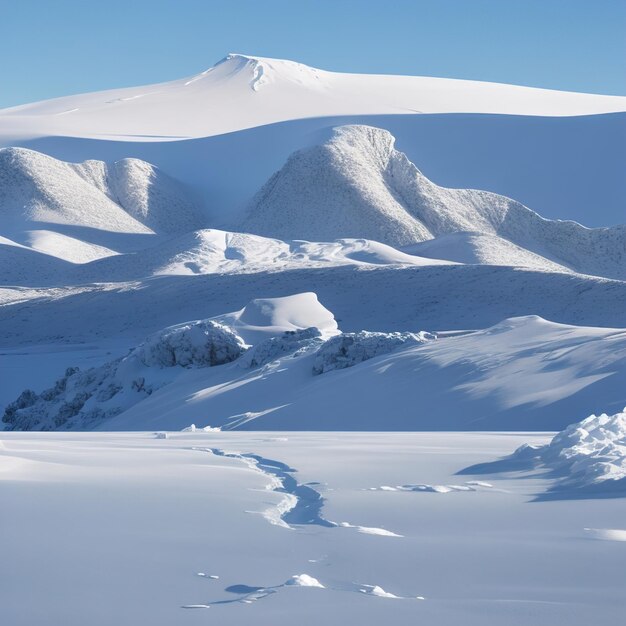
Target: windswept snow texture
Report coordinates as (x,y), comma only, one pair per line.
(587,459)
(81,400)
(291,342)
(349,349)
(358,185)
(302,373)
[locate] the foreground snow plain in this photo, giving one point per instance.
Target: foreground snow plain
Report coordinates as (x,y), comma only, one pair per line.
(153,529)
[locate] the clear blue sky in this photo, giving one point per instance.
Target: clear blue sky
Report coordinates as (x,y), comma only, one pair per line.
(51,48)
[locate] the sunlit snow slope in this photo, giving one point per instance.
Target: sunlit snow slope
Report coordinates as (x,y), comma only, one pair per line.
(246,91)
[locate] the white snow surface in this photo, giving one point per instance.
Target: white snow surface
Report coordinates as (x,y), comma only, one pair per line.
(303,374)
(587,457)
(244,91)
(113,528)
(79,212)
(357,184)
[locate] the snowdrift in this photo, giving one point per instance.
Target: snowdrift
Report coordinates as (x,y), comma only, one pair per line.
(586,460)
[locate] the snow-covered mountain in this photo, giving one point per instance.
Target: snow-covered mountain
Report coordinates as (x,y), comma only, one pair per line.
(358,185)
(244,91)
(259,183)
(80,212)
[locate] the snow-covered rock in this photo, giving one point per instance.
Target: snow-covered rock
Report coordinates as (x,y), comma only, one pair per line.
(294,342)
(82,399)
(203,343)
(588,456)
(356,184)
(349,349)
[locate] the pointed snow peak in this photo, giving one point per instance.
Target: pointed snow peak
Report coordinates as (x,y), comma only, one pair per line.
(260,71)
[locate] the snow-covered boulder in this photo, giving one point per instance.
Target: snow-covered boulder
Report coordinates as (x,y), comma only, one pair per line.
(348,349)
(82,399)
(203,343)
(291,342)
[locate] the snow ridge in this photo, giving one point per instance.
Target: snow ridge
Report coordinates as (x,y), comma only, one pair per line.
(128,196)
(356,184)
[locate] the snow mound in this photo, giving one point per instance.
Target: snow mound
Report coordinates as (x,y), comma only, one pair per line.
(349,349)
(375,590)
(304,580)
(84,399)
(356,184)
(588,456)
(294,342)
(264,318)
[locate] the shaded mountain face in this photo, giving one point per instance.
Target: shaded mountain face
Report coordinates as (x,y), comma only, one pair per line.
(356,184)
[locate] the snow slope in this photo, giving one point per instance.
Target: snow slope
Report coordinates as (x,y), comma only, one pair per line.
(481,249)
(357,184)
(245,91)
(78,212)
(522,374)
(302,374)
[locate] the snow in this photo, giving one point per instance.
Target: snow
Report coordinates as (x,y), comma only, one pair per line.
(264,318)
(82,212)
(83,399)
(124,523)
(357,184)
(247,250)
(588,457)
(244,91)
(349,349)
(304,580)
(482,249)
(291,342)
(302,373)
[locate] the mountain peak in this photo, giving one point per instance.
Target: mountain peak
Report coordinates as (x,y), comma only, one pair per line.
(262,71)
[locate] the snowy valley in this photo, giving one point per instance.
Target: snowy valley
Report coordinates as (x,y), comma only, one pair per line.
(204,283)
